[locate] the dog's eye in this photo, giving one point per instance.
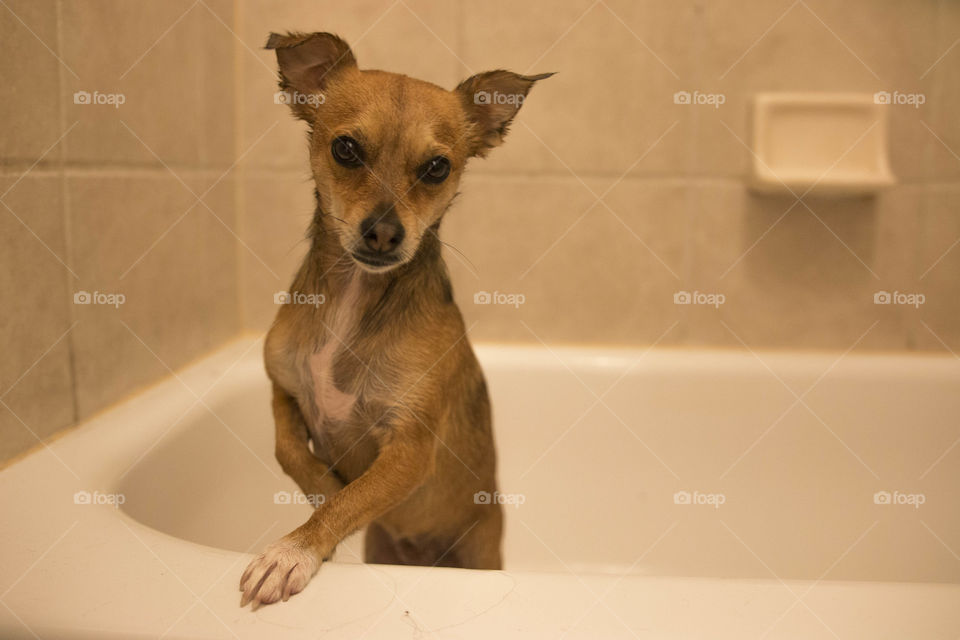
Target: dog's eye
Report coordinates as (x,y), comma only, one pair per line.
(347,151)
(435,170)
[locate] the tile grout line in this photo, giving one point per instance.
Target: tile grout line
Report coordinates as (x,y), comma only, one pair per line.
(240,178)
(46,168)
(67,218)
(690,167)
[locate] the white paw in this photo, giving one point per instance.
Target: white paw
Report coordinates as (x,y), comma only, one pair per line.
(282,570)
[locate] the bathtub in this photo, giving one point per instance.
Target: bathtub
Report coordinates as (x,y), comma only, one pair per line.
(661,493)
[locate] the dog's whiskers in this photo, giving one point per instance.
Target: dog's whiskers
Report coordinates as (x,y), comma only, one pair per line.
(462,254)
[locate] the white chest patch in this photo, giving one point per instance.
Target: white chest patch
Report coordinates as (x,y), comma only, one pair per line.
(332,403)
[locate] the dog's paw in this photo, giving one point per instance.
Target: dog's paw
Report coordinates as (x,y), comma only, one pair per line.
(282,570)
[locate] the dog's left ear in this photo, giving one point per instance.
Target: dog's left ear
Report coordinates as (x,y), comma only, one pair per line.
(308,62)
(491,100)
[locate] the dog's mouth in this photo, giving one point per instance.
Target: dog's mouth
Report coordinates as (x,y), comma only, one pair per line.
(374,262)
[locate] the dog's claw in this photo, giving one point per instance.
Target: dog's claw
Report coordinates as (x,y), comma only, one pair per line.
(287,585)
(249,595)
(282,570)
(246,574)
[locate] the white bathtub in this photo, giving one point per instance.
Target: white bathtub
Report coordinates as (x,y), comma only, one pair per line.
(782,536)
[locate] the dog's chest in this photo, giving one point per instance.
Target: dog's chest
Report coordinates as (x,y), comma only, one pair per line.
(331,402)
(329,362)
(319,360)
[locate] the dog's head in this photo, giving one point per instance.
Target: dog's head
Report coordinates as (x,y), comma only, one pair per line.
(387,151)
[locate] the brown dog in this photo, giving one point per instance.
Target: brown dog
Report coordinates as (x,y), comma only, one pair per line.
(380,378)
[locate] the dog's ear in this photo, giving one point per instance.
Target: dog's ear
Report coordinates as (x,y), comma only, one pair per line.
(491,100)
(308,62)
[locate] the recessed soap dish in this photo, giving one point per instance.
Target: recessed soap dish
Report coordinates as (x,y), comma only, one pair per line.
(830,143)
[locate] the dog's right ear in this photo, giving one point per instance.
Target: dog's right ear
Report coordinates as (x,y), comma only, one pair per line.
(308,62)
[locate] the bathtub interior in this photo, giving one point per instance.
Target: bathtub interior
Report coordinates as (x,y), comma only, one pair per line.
(594,445)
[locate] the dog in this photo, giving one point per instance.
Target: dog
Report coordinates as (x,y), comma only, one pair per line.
(379,403)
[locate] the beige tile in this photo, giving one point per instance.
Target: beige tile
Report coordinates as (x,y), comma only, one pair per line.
(29,109)
(278,208)
(409,37)
(586,276)
(807,281)
(170,62)
(35,375)
(861,46)
(215,21)
(944,132)
(618,63)
(938,270)
(142,236)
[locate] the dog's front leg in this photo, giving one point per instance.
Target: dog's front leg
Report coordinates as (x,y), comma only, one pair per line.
(286,566)
(293,451)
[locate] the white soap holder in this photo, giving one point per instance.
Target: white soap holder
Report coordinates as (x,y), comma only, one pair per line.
(824,143)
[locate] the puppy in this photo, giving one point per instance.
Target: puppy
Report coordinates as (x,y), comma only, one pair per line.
(379,402)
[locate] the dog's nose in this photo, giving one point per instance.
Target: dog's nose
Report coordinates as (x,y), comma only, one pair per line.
(382,232)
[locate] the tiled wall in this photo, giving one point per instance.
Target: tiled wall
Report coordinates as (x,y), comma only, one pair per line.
(192,197)
(608,198)
(132,199)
